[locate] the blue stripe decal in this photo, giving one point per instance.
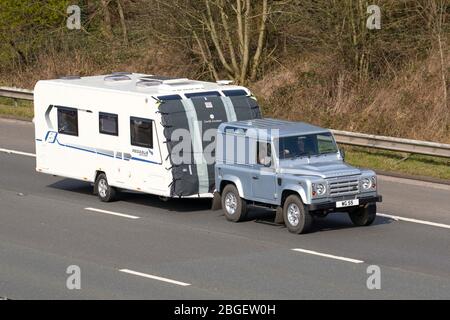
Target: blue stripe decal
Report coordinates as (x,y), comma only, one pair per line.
(148,161)
(73,147)
(102,154)
(106,155)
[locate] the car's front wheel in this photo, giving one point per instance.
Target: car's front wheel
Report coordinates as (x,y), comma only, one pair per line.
(364,216)
(234,207)
(105,192)
(296,216)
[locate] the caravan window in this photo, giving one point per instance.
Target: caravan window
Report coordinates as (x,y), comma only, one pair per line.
(234,93)
(68,121)
(202,94)
(141,132)
(108,123)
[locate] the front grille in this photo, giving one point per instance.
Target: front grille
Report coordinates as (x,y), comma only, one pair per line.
(343,186)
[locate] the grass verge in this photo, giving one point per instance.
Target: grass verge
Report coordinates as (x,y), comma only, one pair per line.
(19,109)
(416,165)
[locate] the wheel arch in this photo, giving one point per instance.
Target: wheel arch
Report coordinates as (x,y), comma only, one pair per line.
(228,179)
(289,190)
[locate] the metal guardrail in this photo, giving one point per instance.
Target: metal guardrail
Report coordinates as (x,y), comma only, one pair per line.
(16,93)
(393,144)
(343,137)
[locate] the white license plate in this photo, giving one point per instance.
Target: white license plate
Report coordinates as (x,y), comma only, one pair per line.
(347,203)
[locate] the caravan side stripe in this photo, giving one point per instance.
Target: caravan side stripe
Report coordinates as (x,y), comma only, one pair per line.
(104,154)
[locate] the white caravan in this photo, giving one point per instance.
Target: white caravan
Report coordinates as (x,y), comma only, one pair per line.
(117,131)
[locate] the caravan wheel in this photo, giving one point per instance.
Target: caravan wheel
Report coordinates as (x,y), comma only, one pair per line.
(105,192)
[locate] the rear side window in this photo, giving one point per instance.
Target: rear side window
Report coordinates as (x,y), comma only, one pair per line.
(141,132)
(169,97)
(108,123)
(68,121)
(234,93)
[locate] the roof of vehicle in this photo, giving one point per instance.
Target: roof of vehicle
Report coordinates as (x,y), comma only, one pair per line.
(138,83)
(268,127)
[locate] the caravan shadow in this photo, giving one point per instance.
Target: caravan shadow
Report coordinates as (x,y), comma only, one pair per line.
(174,204)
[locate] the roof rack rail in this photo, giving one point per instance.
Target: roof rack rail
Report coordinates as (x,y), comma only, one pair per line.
(70,77)
(121,73)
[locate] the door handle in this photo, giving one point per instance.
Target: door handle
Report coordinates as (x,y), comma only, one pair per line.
(255,177)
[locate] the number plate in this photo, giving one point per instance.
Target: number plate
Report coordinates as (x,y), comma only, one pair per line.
(347,203)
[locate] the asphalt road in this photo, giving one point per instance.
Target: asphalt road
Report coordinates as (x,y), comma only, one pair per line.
(182,250)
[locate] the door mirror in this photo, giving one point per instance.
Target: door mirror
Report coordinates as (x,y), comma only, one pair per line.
(342,152)
(267,161)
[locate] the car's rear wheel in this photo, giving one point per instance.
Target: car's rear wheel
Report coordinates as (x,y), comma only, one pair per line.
(234,207)
(364,216)
(296,216)
(105,192)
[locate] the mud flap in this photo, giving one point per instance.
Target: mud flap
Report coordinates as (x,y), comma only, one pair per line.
(279,215)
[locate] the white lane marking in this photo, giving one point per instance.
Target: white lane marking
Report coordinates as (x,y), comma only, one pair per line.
(412,182)
(21,153)
(145,275)
(429,223)
(112,213)
(328,255)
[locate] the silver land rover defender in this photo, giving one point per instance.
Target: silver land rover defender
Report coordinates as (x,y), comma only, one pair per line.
(293,167)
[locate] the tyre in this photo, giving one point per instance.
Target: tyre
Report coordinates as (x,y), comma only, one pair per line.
(364,216)
(296,216)
(105,192)
(234,207)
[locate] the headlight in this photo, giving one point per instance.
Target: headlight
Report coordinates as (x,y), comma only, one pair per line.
(321,189)
(318,189)
(366,183)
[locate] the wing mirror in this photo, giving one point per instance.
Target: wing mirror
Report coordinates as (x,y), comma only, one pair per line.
(342,152)
(267,161)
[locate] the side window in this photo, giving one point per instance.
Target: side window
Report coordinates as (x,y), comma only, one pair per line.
(141,132)
(68,121)
(263,153)
(108,123)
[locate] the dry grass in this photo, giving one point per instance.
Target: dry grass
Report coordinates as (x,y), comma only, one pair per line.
(143,59)
(316,89)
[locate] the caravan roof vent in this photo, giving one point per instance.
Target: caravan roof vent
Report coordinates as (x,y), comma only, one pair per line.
(148,83)
(117,77)
(176,81)
(153,77)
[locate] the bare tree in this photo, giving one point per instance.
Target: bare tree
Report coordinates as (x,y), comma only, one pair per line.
(107,26)
(229,36)
(122,22)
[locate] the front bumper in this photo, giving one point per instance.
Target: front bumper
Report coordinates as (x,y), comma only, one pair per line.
(332,204)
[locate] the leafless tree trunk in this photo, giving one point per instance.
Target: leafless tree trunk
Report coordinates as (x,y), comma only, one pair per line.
(261,36)
(229,35)
(106,19)
(122,22)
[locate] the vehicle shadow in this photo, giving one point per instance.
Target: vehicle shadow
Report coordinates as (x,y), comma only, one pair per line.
(174,204)
(334,221)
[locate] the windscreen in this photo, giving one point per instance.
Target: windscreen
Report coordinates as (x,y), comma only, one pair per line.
(306,145)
